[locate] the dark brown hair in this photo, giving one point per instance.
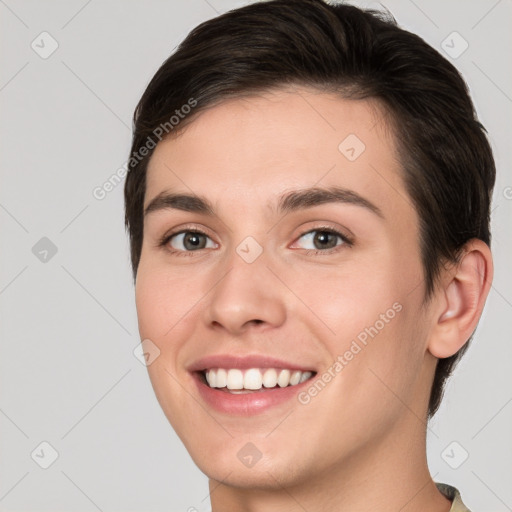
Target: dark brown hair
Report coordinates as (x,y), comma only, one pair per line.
(448,166)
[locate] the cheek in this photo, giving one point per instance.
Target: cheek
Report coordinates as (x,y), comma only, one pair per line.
(152,304)
(349,298)
(163,301)
(368,312)
(162,318)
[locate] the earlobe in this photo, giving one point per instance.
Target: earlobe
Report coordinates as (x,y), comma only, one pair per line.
(461,299)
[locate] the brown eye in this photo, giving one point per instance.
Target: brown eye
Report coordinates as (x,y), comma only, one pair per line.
(319,239)
(325,240)
(190,241)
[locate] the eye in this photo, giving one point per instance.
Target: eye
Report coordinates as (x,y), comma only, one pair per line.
(322,240)
(186,241)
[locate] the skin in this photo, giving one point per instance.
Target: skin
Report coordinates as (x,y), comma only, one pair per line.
(360,443)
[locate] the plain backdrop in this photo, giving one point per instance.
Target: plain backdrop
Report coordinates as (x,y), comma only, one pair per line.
(73,396)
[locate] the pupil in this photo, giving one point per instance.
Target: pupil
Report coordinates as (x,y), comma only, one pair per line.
(192,241)
(323,238)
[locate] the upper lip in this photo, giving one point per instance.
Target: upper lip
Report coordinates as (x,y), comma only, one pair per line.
(244,363)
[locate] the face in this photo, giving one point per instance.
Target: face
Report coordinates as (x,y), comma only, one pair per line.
(295,257)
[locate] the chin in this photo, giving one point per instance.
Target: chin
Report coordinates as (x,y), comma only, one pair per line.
(267,473)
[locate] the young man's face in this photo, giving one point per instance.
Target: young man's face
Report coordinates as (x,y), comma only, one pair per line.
(253,286)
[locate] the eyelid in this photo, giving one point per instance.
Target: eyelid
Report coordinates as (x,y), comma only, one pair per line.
(346,235)
(187,227)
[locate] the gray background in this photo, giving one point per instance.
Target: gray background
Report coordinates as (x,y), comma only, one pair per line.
(68,322)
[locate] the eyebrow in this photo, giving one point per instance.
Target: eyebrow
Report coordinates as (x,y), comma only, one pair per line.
(288,202)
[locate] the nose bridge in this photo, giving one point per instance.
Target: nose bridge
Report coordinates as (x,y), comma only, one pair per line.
(247,292)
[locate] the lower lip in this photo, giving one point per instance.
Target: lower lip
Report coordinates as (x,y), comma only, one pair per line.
(246,404)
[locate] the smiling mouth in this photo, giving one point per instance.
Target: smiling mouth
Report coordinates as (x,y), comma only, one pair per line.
(237,381)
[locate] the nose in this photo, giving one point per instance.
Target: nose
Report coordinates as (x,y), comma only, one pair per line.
(247,296)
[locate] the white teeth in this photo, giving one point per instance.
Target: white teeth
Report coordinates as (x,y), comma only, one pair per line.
(211,378)
(305,376)
(254,378)
(284,378)
(235,379)
(270,378)
(295,378)
(222,378)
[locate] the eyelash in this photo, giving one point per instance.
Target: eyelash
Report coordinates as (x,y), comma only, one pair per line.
(348,242)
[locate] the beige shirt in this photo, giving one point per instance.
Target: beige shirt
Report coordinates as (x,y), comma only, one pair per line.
(453,494)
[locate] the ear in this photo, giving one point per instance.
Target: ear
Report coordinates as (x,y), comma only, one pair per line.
(460,299)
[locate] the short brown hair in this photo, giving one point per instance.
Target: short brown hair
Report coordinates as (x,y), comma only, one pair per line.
(447,163)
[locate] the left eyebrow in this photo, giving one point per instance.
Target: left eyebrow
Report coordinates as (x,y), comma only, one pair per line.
(289,202)
(315,196)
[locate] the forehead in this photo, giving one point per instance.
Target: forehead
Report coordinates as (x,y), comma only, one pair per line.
(252,149)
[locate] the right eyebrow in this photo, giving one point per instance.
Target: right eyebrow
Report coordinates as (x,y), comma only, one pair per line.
(184,202)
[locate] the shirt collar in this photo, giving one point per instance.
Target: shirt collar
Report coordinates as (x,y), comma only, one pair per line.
(452,494)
